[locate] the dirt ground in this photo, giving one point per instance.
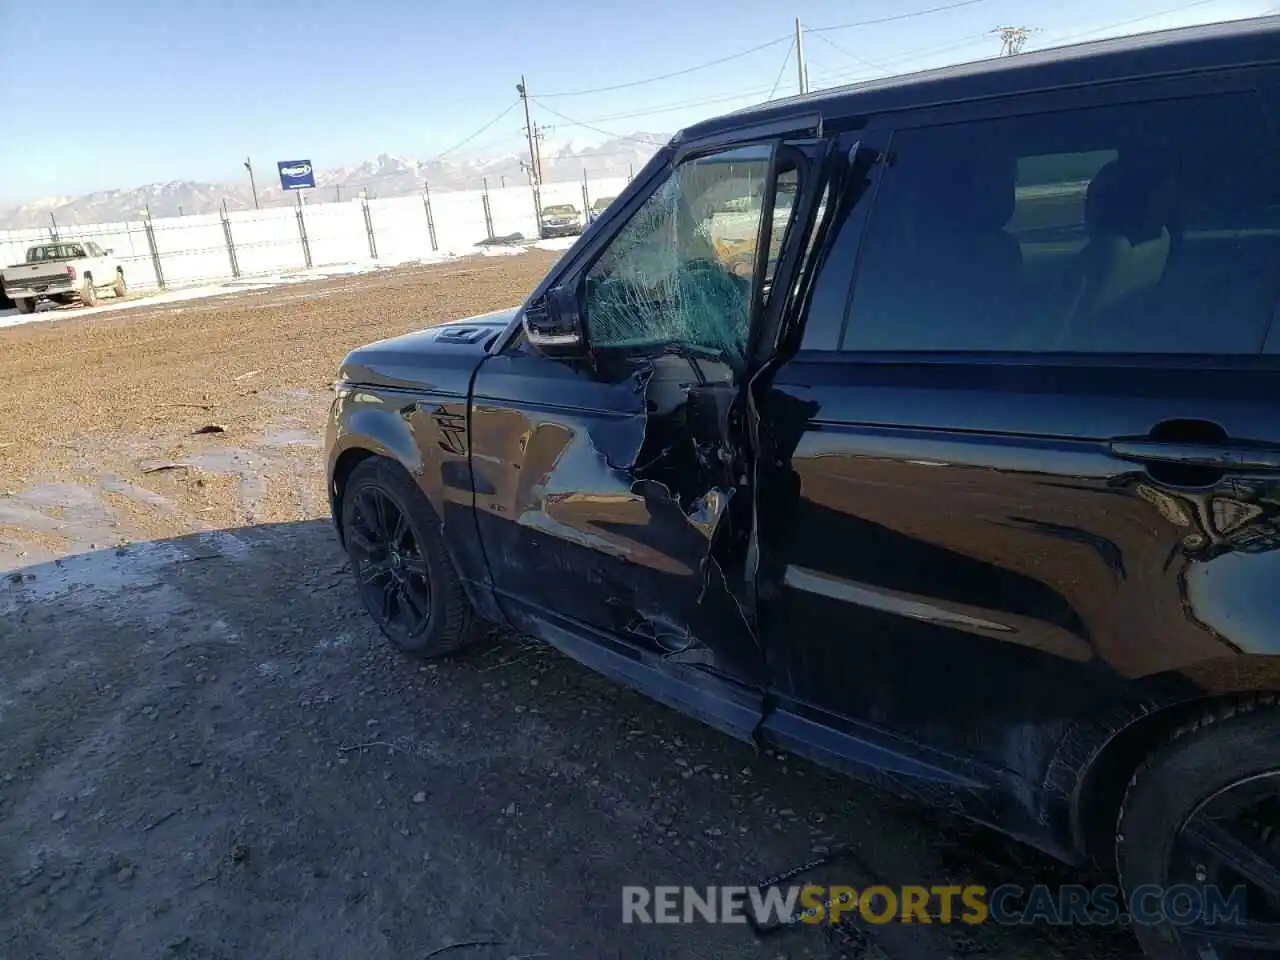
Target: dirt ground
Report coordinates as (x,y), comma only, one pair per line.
(207,751)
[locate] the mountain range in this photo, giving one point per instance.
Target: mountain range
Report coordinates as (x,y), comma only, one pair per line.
(384,176)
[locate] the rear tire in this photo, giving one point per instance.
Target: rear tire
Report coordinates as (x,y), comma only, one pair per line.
(404,574)
(119,286)
(89,293)
(25,304)
(1205,801)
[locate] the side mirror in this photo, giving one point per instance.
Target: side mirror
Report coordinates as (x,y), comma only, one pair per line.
(109,251)
(553,323)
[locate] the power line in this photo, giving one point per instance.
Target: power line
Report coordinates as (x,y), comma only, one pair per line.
(852,56)
(1124,23)
(465,140)
(588,126)
(683,105)
(515,139)
(899,16)
(907,56)
(679,73)
(781,70)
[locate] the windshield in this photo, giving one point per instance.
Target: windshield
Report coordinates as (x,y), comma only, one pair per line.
(560,210)
(600,205)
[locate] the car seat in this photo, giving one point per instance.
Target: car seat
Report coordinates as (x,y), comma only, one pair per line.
(1128,211)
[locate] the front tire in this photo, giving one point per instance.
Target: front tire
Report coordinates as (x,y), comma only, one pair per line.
(1204,811)
(404,574)
(119,287)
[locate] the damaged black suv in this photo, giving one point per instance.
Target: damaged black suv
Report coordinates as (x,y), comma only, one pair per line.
(928,428)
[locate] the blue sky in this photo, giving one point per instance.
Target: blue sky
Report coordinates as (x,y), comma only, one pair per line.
(184,89)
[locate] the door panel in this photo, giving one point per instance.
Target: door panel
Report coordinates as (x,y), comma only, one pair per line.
(575,520)
(976,587)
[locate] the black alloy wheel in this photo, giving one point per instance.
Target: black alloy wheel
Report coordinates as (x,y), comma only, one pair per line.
(394,577)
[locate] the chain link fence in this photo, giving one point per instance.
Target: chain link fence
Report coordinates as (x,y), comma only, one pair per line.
(178,251)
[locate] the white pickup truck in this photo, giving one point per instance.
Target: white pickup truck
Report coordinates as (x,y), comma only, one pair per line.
(62,271)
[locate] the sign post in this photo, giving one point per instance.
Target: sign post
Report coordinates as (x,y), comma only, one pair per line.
(298,175)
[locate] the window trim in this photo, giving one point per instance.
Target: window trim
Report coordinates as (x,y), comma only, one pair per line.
(825,331)
(1040,360)
(1236,80)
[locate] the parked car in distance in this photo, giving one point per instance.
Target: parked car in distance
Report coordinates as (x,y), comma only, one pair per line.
(970,487)
(561,220)
(63,271)
(598,207)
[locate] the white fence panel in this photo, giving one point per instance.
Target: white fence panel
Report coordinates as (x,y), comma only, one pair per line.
(267,241)
(192,248)
(459,220)
(513,212)
(336,233)
(400,228)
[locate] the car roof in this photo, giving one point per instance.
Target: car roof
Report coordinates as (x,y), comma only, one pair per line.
(1160,53)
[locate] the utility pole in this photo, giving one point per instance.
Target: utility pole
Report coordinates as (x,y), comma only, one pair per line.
(535,173)
(1012,39)
(537,150)
(337,192)
(802,71)
(248,165)
(535,168)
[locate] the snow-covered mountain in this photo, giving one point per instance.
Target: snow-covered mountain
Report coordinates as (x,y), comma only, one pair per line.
(383,176)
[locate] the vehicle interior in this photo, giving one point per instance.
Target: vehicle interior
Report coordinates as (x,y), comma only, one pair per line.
(1036,234)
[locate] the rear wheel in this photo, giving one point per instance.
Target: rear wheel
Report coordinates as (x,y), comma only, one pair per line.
(119,286)
(88,292)
(403,572)
(25,304)
(1203,816)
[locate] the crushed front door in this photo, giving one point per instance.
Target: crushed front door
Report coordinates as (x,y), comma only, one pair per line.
(614,491)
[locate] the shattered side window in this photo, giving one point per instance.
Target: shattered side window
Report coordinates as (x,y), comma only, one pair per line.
(680,271)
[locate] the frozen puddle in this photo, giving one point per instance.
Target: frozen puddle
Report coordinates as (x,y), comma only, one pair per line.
(105,574)
(99,575)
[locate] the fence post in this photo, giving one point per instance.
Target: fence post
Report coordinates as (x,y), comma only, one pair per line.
(431,221)
(488,216)
(155,251)
(302,233)
(368,227)
(231,244)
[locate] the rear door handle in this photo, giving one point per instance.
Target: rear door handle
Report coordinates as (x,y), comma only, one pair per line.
(1216,456)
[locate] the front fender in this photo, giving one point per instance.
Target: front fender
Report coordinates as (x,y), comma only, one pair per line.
(426,435)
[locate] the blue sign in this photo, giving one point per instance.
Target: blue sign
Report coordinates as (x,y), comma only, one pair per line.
(296,174)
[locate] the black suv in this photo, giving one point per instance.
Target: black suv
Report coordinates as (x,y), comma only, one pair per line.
(968,484)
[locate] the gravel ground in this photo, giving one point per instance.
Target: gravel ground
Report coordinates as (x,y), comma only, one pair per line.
(207,751)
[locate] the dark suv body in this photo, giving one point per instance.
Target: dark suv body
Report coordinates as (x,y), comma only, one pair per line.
(970,487)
